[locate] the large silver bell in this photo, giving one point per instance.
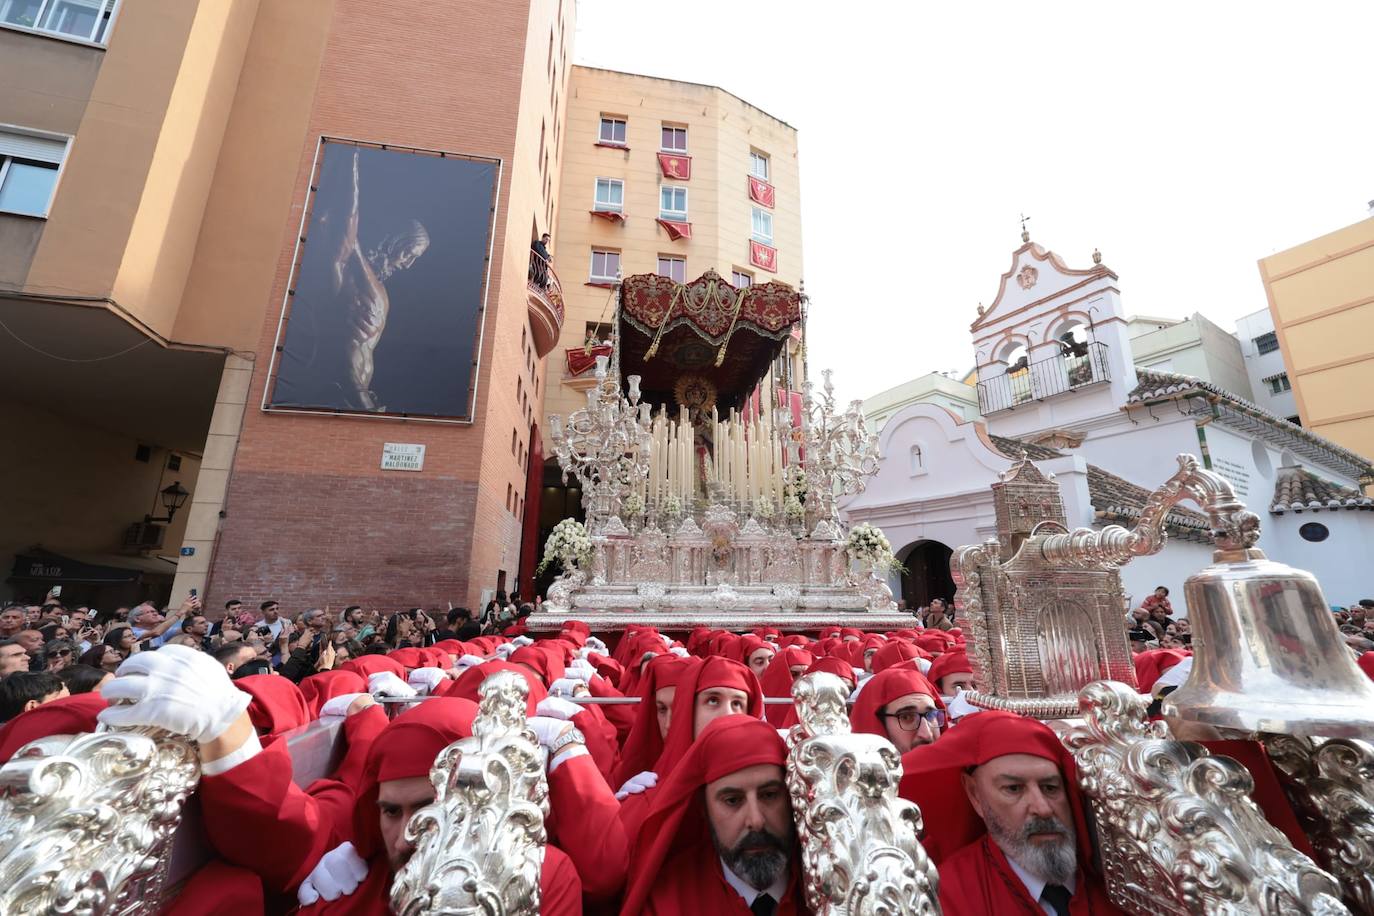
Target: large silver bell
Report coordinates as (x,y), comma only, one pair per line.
(1267,655)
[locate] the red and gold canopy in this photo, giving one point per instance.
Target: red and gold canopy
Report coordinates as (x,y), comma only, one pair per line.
(707,330)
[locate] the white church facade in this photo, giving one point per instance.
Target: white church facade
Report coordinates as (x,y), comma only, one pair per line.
(1057,380)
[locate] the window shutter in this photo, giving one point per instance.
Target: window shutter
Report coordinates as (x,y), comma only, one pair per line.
(28,146)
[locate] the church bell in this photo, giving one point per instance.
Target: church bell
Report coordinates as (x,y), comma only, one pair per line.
(1267,655)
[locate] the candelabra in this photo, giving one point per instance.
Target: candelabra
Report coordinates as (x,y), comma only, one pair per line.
(840,453)
(605,445)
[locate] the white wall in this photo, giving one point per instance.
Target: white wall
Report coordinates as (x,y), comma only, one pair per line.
(1170,567)
(1340,563)
(1259,366)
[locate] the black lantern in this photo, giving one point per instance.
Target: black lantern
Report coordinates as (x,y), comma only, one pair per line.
(173,498)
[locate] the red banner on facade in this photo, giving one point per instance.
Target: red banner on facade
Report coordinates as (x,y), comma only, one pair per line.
(610,216)
(676,230)
(675,165)
(760,192)
(761,255)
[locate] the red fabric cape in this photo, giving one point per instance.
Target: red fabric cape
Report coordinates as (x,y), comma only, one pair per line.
(67,716)
(367,665)
(277,706)
(644,744)
(410,657)
(947,664)
(777,681)
(320,688)
(979,881)
(468,684)
(830,665)
(883,688)
(675,835)
(545,661)
(1151,663)
(713,672)
(894,653)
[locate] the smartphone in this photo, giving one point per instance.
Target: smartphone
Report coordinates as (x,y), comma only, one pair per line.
(56,591)
(193,593)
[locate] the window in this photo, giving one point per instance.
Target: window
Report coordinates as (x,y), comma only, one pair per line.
(612,131)
(605,266)
(1315,532)
(1267,343)
(674,139)
(610,195)
(673,268)
(1279,383)
(672,203)
(86,20)
(741,280)
(758,165)
(28,170)
(763,226)
(598,331)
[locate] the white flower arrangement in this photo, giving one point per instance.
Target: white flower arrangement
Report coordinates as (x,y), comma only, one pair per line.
(672,506)
(634,505)
(867,544)
(763,508)
(792,507)
(794,493)
(568,544)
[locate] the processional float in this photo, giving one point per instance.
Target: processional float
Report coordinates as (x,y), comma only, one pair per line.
(94,823)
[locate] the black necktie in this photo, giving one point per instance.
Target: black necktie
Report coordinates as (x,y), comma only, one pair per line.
(763,905)
(1057,896)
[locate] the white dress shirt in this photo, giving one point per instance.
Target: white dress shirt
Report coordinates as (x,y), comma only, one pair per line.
(749,892)
(1036,886)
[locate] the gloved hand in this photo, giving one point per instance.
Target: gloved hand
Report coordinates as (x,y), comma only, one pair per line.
(583,652)
(470,661)
(923,664)
(679,652)
(177,689)
(580,669)
(566,687)
(598,645)
(424,680)
(386,684)
(506,649)
(667,640)
(340,872)
(637,784)
(548,729)
(960,707)
(557,708)
(520,641)
(339,705)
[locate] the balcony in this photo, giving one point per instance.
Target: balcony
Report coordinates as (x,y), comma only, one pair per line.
(545,299)
(1079,366)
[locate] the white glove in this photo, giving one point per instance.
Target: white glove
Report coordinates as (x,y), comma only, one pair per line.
(424,680)
(580,669)
(176,689)
(522,641)
(565,687)
(506,649)
(598,645)
(583,653)
(637,784)
(860,674)
(338,706)
(679,652)
(923,664)
(667,640)
(547,729)
(959,707)
(340,872)
(557,708)
(470,661)
(386,684)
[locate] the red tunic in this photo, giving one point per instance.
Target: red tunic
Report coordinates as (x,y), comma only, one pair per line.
(979,881)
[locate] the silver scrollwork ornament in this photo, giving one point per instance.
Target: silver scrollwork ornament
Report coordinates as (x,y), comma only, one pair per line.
(479,847)
(1177,831)
(860,852)
(86,822)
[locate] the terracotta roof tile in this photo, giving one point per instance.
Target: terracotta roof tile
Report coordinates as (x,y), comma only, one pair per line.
(1297,489)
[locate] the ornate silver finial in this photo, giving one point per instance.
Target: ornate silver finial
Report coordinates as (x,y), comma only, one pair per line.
(479,847)
(1176,827)
(1097,256)
(86,822)
(1025,235)
(860,853)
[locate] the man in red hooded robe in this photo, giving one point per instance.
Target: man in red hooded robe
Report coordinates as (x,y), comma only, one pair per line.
(719,836)
(1005,821)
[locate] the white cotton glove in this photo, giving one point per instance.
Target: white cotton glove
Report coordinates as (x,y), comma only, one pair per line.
(565,687)
(386,684)
(340,872)
(637,784)
(339,705)
(469,661)
(679,652)
(521,641)
(598,645)
(424,680)
(923,664)
(958,707)
(584,653)
(176,689)
(860,674)
(580,669)
(557,708)
(667,640)
(1174,677)
(506,649)
(547,729)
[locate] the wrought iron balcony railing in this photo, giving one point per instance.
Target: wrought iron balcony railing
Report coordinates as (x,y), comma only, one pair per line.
(1078,366)
(545,304)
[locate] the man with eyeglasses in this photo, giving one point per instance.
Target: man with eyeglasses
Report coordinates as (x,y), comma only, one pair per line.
(899,704)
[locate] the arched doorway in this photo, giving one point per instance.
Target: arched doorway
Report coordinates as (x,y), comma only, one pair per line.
(927,573)
(558,501)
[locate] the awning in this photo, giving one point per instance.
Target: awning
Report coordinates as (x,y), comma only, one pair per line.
(39,565)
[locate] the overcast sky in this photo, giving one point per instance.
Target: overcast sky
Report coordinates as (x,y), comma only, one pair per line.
(1185,140)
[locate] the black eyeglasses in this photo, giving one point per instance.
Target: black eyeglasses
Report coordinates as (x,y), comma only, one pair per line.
(909,719)
(62,653)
